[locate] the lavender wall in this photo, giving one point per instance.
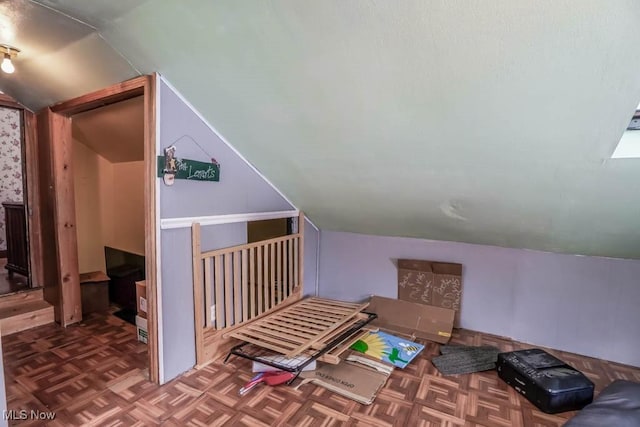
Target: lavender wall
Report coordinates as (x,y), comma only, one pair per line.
(586,305)
(240,190)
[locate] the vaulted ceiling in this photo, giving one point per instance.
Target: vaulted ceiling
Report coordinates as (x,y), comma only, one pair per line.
(486,122)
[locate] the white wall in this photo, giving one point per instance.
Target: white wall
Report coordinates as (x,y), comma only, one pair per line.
(585,305)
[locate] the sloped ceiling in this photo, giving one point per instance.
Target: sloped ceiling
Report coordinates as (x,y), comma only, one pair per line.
(486,122)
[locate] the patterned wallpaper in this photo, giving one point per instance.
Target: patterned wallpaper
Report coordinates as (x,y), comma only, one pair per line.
(10,163)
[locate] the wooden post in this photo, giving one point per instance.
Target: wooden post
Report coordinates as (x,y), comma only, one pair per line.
(198,302)
(301,250)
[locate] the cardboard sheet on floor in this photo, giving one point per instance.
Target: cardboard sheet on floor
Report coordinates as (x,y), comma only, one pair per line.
(357,378)
(412,319)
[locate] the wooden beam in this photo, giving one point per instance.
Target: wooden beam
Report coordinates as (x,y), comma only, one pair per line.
(33,198)
(7,101)
(150,226)
(64,215)
(50,282)
(109,95)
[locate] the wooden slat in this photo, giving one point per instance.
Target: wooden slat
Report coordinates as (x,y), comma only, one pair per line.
(316,314)
(272,271)
(289,330)
(338,305)
(283,343)
(300,262)
(279,334)
(269,346)
(259,282)
(218,285)
(290,255)
(228,290)
(252,282)
(285,321)
(299,328)
(285,270)
(307,320)
(208,290)
(265,280)
(197,289)
(279,270)
(245,286)
(237,296)
(296,262)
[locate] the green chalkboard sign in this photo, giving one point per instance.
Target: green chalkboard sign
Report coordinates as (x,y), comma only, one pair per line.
(191,169)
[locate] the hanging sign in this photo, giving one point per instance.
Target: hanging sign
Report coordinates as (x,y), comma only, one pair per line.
(188,169)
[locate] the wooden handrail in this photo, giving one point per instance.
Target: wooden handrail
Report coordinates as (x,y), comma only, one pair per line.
(231,249)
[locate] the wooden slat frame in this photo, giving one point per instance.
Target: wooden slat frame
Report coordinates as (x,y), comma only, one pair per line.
(294,315)
(247,282)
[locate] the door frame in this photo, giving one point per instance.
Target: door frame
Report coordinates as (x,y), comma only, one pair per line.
(30,186)
(64,206)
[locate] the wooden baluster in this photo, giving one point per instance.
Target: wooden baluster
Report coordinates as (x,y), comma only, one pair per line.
(245,288)
(285,269)
(228,290)
(252,282)
(279,270)
(272,271)
(208,289)
(218,286)
(265,282)
(237,296)
(296,262)
(291,276)
(259,287)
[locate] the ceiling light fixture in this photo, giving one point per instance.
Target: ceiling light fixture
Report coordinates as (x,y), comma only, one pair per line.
(9,52)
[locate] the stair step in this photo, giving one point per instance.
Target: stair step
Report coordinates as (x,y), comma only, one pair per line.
(26,315)
(16,298)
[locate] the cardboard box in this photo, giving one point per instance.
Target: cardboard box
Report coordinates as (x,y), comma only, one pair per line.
(432,283)
(141,329)
(141,298)
(412,319)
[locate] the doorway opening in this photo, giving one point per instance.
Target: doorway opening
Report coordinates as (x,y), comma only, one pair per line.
(16,273)
(114,180)
(108,169)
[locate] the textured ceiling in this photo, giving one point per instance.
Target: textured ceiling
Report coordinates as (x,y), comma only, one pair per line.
(486,122)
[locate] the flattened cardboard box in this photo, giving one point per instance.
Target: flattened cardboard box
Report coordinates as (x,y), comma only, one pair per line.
(431,283)
(412,319)
(357,378)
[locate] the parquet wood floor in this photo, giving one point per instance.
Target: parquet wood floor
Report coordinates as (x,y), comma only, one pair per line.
(95,374)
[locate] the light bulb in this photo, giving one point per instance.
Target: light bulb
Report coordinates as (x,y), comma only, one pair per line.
(7,65)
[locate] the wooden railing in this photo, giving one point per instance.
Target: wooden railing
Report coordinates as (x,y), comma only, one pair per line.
(236,284)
